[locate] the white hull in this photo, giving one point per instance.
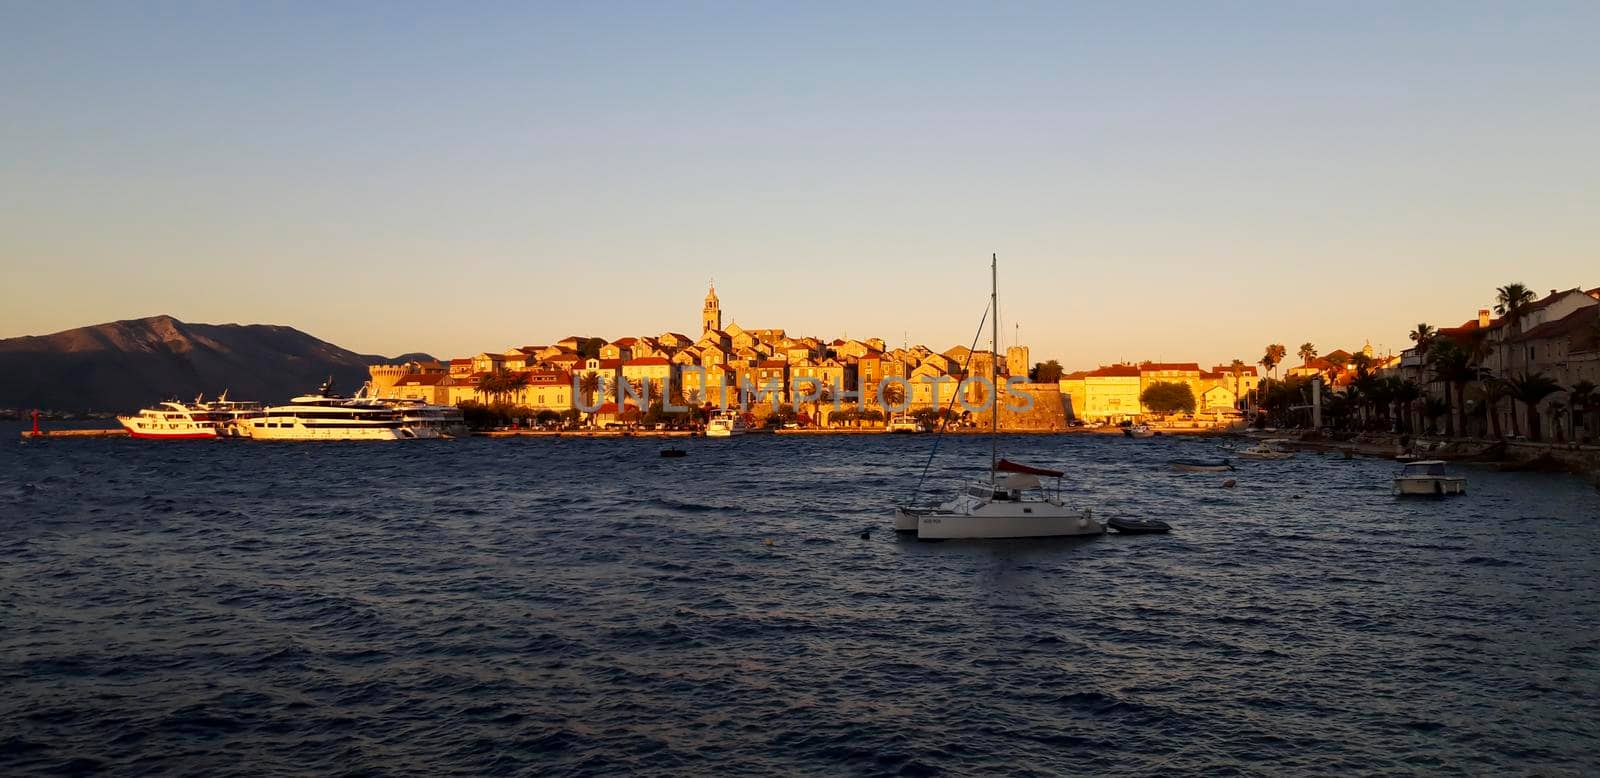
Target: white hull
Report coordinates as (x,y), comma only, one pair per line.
(1429,486)
(1002,524)
(302,432)
(722,432)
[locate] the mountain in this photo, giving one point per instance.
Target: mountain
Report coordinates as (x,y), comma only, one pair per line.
(126,365)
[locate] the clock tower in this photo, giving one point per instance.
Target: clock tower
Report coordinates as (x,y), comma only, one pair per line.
(711,314)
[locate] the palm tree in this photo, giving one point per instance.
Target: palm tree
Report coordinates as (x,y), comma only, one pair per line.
(1510,303)
(1237,369)
(1423,335)
(1307,352)
(589,386)
(1494,390)
(1582,397)
(1452,367)
(893,394)
(1529,389)
(1404,393)
(1274,355)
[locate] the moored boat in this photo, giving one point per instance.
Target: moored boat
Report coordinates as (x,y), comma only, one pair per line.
(1138,431)
(171,421)
(1427,478)
(905,424)
(328,416)
(726,424)
(1201,465)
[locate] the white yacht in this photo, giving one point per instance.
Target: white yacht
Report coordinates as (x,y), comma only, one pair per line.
(328,416)
(171,421)
(1427,477)
(231,416)
(1011,503)
(726,424)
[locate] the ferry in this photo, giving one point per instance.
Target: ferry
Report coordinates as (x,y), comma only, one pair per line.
(328,416)
(726,424)
(171,421)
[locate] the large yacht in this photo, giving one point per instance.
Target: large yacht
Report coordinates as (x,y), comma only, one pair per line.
(329,416)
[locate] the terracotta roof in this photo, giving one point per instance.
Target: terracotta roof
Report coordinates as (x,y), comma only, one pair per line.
(1114,371)
(1575,322)
(647,362)
(420,379)
(609,364)
(773,364)
(1194,366)
(467,361)
(612,407)
(564,358)
(1213,375)
(624,342)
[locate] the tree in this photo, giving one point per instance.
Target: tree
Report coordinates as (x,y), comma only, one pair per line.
(894,394)
(1237,370)
(1307,352)
(1451,366)
(1423,335)
(1404,393)
(1494,390)
(1274,355)
(1046,372)
(1432,409)
(1530,389)
(1168,397)
(1510,303)
(589,386)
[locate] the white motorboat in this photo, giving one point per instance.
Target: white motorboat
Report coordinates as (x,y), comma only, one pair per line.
(1266,451)
(726,424)
(1011,503)
(1139,431)
(1427,477)
(904,424)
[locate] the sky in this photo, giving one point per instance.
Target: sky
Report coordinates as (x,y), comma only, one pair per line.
(1170,181)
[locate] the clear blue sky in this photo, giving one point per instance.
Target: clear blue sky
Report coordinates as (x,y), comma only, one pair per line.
(1178,181)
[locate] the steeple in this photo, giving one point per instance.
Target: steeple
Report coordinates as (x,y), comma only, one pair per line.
(711,313)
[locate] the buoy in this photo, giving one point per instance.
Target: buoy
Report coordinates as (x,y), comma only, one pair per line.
(866,534)
(769,541)
(1229,484)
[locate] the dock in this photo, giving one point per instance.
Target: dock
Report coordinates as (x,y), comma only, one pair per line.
(41,434)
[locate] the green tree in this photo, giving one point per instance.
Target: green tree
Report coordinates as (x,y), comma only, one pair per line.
(1432,409)
(1168,397)
(1530,389)
(894,394)
(1046,372)
(1404,394)
(1307,352)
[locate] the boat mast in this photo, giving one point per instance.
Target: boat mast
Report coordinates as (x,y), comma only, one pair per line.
(994,373)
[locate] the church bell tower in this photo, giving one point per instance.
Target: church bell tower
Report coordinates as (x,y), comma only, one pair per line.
(711,314)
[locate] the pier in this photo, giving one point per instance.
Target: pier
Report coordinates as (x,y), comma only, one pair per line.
(102,433)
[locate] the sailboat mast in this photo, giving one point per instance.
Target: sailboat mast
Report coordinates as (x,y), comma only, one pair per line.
(994,373)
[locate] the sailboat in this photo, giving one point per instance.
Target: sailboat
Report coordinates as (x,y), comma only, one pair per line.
(1012,502)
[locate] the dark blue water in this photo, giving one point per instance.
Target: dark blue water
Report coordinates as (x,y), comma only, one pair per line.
(552,607)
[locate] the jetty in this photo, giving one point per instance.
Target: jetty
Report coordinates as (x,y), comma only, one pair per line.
(102,433)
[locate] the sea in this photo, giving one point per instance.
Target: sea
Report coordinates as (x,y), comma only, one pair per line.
(560,607)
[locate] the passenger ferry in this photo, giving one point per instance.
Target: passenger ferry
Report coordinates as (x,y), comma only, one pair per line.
(171,421)
(726,424)
(328,416)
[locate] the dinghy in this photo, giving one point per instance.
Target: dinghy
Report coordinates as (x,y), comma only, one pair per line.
(1201,465)
(1139,526)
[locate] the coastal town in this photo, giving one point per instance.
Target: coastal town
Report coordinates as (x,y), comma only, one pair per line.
(1525,366)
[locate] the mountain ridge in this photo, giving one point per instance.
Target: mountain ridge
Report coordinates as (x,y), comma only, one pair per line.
(131,363)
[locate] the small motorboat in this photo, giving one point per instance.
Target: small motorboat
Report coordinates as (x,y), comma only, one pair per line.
(1427,478)
(1265,452)
(673,452)
(1139,431)
(1139,526)
(1201,465)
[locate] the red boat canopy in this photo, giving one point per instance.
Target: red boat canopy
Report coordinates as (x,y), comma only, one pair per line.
(1008,466)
